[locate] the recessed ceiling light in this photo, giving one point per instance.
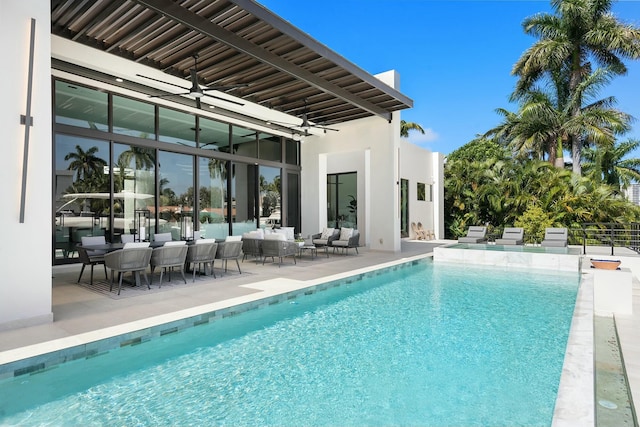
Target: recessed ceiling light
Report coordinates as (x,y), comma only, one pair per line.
(211,106)
(119,80)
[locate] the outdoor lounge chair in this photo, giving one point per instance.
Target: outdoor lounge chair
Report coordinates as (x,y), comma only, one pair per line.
(428,234)
(475,234)
(555,237)
(349,238)
(325,239)
(511,236)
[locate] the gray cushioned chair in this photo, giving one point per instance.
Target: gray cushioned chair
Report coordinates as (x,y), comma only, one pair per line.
(511,236)
(252,247)
(325,239)
(353,241)
(91,258)
(171,255)
(134,260)
(475,234)
(230,250)
(203,251)
(555,237)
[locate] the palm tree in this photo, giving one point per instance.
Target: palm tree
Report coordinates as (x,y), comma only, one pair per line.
(85,163)
(611,164)
(581,31)
(405,127)
(544,122)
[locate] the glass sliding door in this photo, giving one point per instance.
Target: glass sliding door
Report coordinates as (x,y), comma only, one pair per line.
(176,204)
(82,204)
(342,200)
(244,196)
(270,196)
(134,187)
(212,196)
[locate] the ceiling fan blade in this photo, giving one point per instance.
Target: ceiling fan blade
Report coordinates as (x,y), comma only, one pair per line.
(169,94)
(224,87)
(160,81)
(226,100)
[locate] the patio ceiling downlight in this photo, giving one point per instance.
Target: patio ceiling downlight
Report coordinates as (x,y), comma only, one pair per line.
(239,42)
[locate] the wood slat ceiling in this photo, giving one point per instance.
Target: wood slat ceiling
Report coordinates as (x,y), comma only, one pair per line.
(238,42)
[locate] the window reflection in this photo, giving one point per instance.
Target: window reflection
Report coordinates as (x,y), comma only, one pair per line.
(244,142)
(82,191)
(270,196)
(243,193)
(175,179)
(176,127)
(292,149)
(214,135)
(82,107)
(133,118)
(270,147)
(134,185)
(213,195)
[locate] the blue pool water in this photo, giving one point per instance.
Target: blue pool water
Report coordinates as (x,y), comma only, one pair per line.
(424,345)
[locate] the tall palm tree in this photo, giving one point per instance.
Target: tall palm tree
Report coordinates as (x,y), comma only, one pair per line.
(580,32)
(545,121)
(405,127)
(85,163)
(612,165)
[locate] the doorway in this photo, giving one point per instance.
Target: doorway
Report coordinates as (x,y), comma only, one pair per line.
(342,200)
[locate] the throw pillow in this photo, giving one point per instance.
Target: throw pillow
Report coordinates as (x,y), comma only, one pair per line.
(276,236)
(326,233)
(346,233)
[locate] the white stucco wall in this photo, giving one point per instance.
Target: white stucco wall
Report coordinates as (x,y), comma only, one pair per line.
(25,252)
(417,165)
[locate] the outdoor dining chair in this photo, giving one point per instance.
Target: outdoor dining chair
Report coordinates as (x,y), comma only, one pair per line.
(134,260)
(91,258)
(203,251)
(171,255)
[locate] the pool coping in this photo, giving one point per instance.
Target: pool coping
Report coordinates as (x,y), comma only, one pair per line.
(575,387)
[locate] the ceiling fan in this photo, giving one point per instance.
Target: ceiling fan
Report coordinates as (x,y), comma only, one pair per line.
(196,91)
(306,124)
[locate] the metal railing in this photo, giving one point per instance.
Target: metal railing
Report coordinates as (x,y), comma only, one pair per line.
(606,234)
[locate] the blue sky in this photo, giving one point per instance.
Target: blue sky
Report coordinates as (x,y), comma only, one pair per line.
(454,57)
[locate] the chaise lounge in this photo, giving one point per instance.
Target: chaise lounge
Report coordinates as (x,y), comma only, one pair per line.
(555,238)
(511,236)
(475,234)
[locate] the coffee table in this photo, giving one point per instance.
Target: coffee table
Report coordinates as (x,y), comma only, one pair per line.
(309,248)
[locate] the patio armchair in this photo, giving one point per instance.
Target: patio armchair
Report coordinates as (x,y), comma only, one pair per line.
(325,238)
(475,234)
(511,236)
(134,260)
(419,234)
(252,246)
(230,249)
(349,238)
(162,237)
(276,245)
(555,237)
(203,251)
(171,255)
(91,258)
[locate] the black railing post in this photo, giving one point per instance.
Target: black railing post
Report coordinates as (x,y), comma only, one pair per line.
(612,239)
(584,239)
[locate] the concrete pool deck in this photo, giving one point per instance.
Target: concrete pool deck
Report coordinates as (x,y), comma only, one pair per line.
(83,315)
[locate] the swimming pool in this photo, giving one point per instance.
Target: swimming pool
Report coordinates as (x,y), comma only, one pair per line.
(424,344)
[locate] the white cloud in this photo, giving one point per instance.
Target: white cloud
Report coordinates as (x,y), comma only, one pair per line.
(419,139)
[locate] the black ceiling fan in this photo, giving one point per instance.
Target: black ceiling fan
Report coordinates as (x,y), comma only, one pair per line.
(196,91)
(306,124)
